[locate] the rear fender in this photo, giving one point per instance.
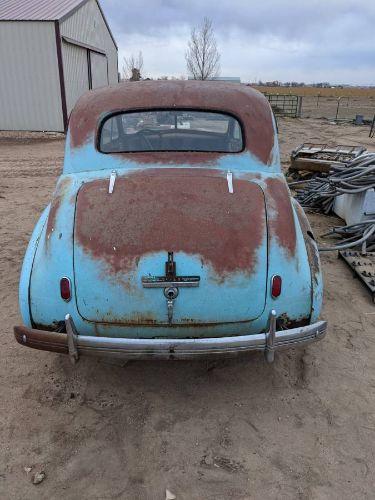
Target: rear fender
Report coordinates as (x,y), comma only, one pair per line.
(314,262)
(24,286)
(54,259)
(287,257)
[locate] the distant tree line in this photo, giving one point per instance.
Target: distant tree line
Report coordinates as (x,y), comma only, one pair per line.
(277,83)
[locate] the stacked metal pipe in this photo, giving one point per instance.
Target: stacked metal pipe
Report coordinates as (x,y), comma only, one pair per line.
(356,176)
(318,194)
(355,235)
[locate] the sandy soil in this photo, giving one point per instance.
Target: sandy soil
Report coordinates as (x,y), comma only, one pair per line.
(303,427)
(322,103)
(348,107)
(324,92)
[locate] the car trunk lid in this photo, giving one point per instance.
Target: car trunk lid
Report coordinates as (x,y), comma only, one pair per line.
(188,216)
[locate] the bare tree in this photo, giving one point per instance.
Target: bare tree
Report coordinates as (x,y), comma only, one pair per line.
(132,67)
(202,56)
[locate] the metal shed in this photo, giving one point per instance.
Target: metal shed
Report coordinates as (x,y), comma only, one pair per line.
(51,52)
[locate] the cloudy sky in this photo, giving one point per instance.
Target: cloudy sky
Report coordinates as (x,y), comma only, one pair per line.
(300,40)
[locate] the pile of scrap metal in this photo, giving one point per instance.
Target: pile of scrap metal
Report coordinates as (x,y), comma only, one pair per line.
(343,190)
(319,193)
(353,236)
(357,250)
(341,180)
(311,157)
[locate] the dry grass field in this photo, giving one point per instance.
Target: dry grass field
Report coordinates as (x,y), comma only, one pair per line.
(326,92)
(323,103)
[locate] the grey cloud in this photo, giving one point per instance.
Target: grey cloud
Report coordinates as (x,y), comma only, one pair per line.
(313,35)
(287,18)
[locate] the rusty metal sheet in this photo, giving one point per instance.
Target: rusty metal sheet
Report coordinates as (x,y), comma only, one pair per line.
(60,191)
(319,157)
(172,210)
(41,339)
(248,105)
(311,247)
(280,214)
(123,236)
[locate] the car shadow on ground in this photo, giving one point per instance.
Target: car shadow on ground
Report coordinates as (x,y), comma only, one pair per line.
(231,378)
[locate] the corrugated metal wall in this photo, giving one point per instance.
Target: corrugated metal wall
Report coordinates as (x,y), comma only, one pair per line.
(99,70)
(86,25)
(30,96)
(75,73)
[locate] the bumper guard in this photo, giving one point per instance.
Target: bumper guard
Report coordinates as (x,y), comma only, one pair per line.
(75,345)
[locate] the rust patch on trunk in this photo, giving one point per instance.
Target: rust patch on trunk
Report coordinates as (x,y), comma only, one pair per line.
(280,214)
(172,210)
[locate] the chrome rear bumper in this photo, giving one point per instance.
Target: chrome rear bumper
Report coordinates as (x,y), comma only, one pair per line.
(76,345)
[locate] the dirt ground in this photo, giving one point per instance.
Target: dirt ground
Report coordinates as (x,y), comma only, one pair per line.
(327,102)
(302,428)
(346,108)
(324,92)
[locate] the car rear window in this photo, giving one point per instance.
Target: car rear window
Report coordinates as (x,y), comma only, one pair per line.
(171,130)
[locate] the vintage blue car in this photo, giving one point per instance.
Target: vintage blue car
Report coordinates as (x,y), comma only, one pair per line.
(171,232)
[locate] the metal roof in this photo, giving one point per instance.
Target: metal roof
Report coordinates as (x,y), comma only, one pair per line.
(250,106)
(37,10)
(43,10)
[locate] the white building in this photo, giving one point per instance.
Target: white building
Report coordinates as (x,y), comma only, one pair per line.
(51,52)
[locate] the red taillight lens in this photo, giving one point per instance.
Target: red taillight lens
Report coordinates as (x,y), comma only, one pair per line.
(276,286)
(65,289)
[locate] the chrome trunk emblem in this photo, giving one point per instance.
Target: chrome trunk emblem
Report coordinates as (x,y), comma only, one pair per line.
(170,279)
(171,283)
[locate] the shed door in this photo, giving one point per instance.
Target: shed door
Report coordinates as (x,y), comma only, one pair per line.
(99,70)
(75,72)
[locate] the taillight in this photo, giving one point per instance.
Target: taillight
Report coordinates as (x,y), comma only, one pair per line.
(276,286)
(65,289)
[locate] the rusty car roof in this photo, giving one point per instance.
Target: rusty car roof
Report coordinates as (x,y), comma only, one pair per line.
(247,104)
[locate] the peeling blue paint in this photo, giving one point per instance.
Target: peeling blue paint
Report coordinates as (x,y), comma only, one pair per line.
(98,303)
